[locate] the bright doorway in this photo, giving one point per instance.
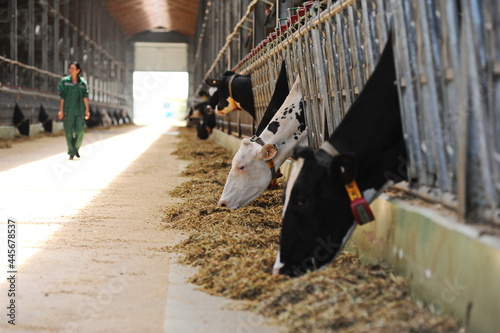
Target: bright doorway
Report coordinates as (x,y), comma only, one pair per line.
(159,95)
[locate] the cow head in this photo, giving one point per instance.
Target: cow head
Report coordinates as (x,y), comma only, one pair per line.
(256,162)
(250,174)
(317,219)
(234,93)
(226,102)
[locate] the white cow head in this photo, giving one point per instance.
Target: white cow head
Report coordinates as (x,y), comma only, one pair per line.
(250,174)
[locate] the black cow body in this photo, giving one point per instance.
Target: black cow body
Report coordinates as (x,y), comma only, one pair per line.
(234,92)
(206,122)
(202,115)
(22,123)
(367,146)
(95,118)
(43,118)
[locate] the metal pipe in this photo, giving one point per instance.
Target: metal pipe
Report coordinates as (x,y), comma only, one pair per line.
(228,42)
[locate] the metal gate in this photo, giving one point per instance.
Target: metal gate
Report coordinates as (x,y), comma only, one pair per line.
(448,65)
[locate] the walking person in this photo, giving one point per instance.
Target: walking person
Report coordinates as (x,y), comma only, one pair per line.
(73,107)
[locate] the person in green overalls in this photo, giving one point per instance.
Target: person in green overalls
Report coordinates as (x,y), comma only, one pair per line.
(73,107)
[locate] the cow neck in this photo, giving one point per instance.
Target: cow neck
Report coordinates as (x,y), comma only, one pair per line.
(230,87)
(270,163)
(359,206)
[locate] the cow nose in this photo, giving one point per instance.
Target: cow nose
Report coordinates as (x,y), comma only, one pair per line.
(222,203)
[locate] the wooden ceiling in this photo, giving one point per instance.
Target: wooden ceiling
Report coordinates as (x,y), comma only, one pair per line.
(137,16)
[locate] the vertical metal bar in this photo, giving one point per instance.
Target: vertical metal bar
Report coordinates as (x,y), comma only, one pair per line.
(374,30)
(480,146)
(97,52)
(451,76)
(335,114)
(88,36)
(381,17)
(361,52)
(413,30)
(282,9)
(463,124)
(345,58)
(494,96)
(243,34)
(45,47)
(355,47)
(75,50)
(81,27)
(13,39)
(368,40)
(407,88)
(304,83)
(290,58)
(56,59)
(66,44)
(323,102)
(31,40)
(308,91)
(433,123)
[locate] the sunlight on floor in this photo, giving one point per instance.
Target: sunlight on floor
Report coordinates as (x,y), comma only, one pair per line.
(44,195)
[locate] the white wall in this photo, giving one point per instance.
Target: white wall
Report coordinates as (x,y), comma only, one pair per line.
(167,57)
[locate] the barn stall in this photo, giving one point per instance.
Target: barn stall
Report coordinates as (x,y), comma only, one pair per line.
(48,35)
(448,68)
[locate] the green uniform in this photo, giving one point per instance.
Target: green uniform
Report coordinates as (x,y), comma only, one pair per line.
(74,111)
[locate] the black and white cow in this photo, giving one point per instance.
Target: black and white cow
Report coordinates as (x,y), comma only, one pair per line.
(255,163)
(206,122)
(367,147)
(280,93)
(202,115)
(234,93)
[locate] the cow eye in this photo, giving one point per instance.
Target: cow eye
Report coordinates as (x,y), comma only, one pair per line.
(241,168)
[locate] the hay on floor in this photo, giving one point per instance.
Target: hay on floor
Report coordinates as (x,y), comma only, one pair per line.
(235,250)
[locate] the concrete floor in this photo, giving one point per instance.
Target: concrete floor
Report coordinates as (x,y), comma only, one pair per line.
(89,239)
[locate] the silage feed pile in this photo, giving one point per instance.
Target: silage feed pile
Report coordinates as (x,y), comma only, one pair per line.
(235,250)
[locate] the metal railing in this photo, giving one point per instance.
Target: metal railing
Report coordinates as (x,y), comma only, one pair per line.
(39,40)
(448,65)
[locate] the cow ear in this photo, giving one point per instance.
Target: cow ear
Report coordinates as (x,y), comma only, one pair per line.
(346,165)
(303,152)
(213,82)
(267,152)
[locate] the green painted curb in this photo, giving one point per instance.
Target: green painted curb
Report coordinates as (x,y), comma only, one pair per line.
(452,268)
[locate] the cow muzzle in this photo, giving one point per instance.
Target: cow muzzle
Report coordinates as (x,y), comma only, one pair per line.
(224,203)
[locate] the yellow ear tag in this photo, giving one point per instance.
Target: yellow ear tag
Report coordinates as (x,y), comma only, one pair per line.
(359,207)
(353,190)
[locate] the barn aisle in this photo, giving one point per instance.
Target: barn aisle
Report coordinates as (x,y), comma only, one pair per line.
(90,243)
